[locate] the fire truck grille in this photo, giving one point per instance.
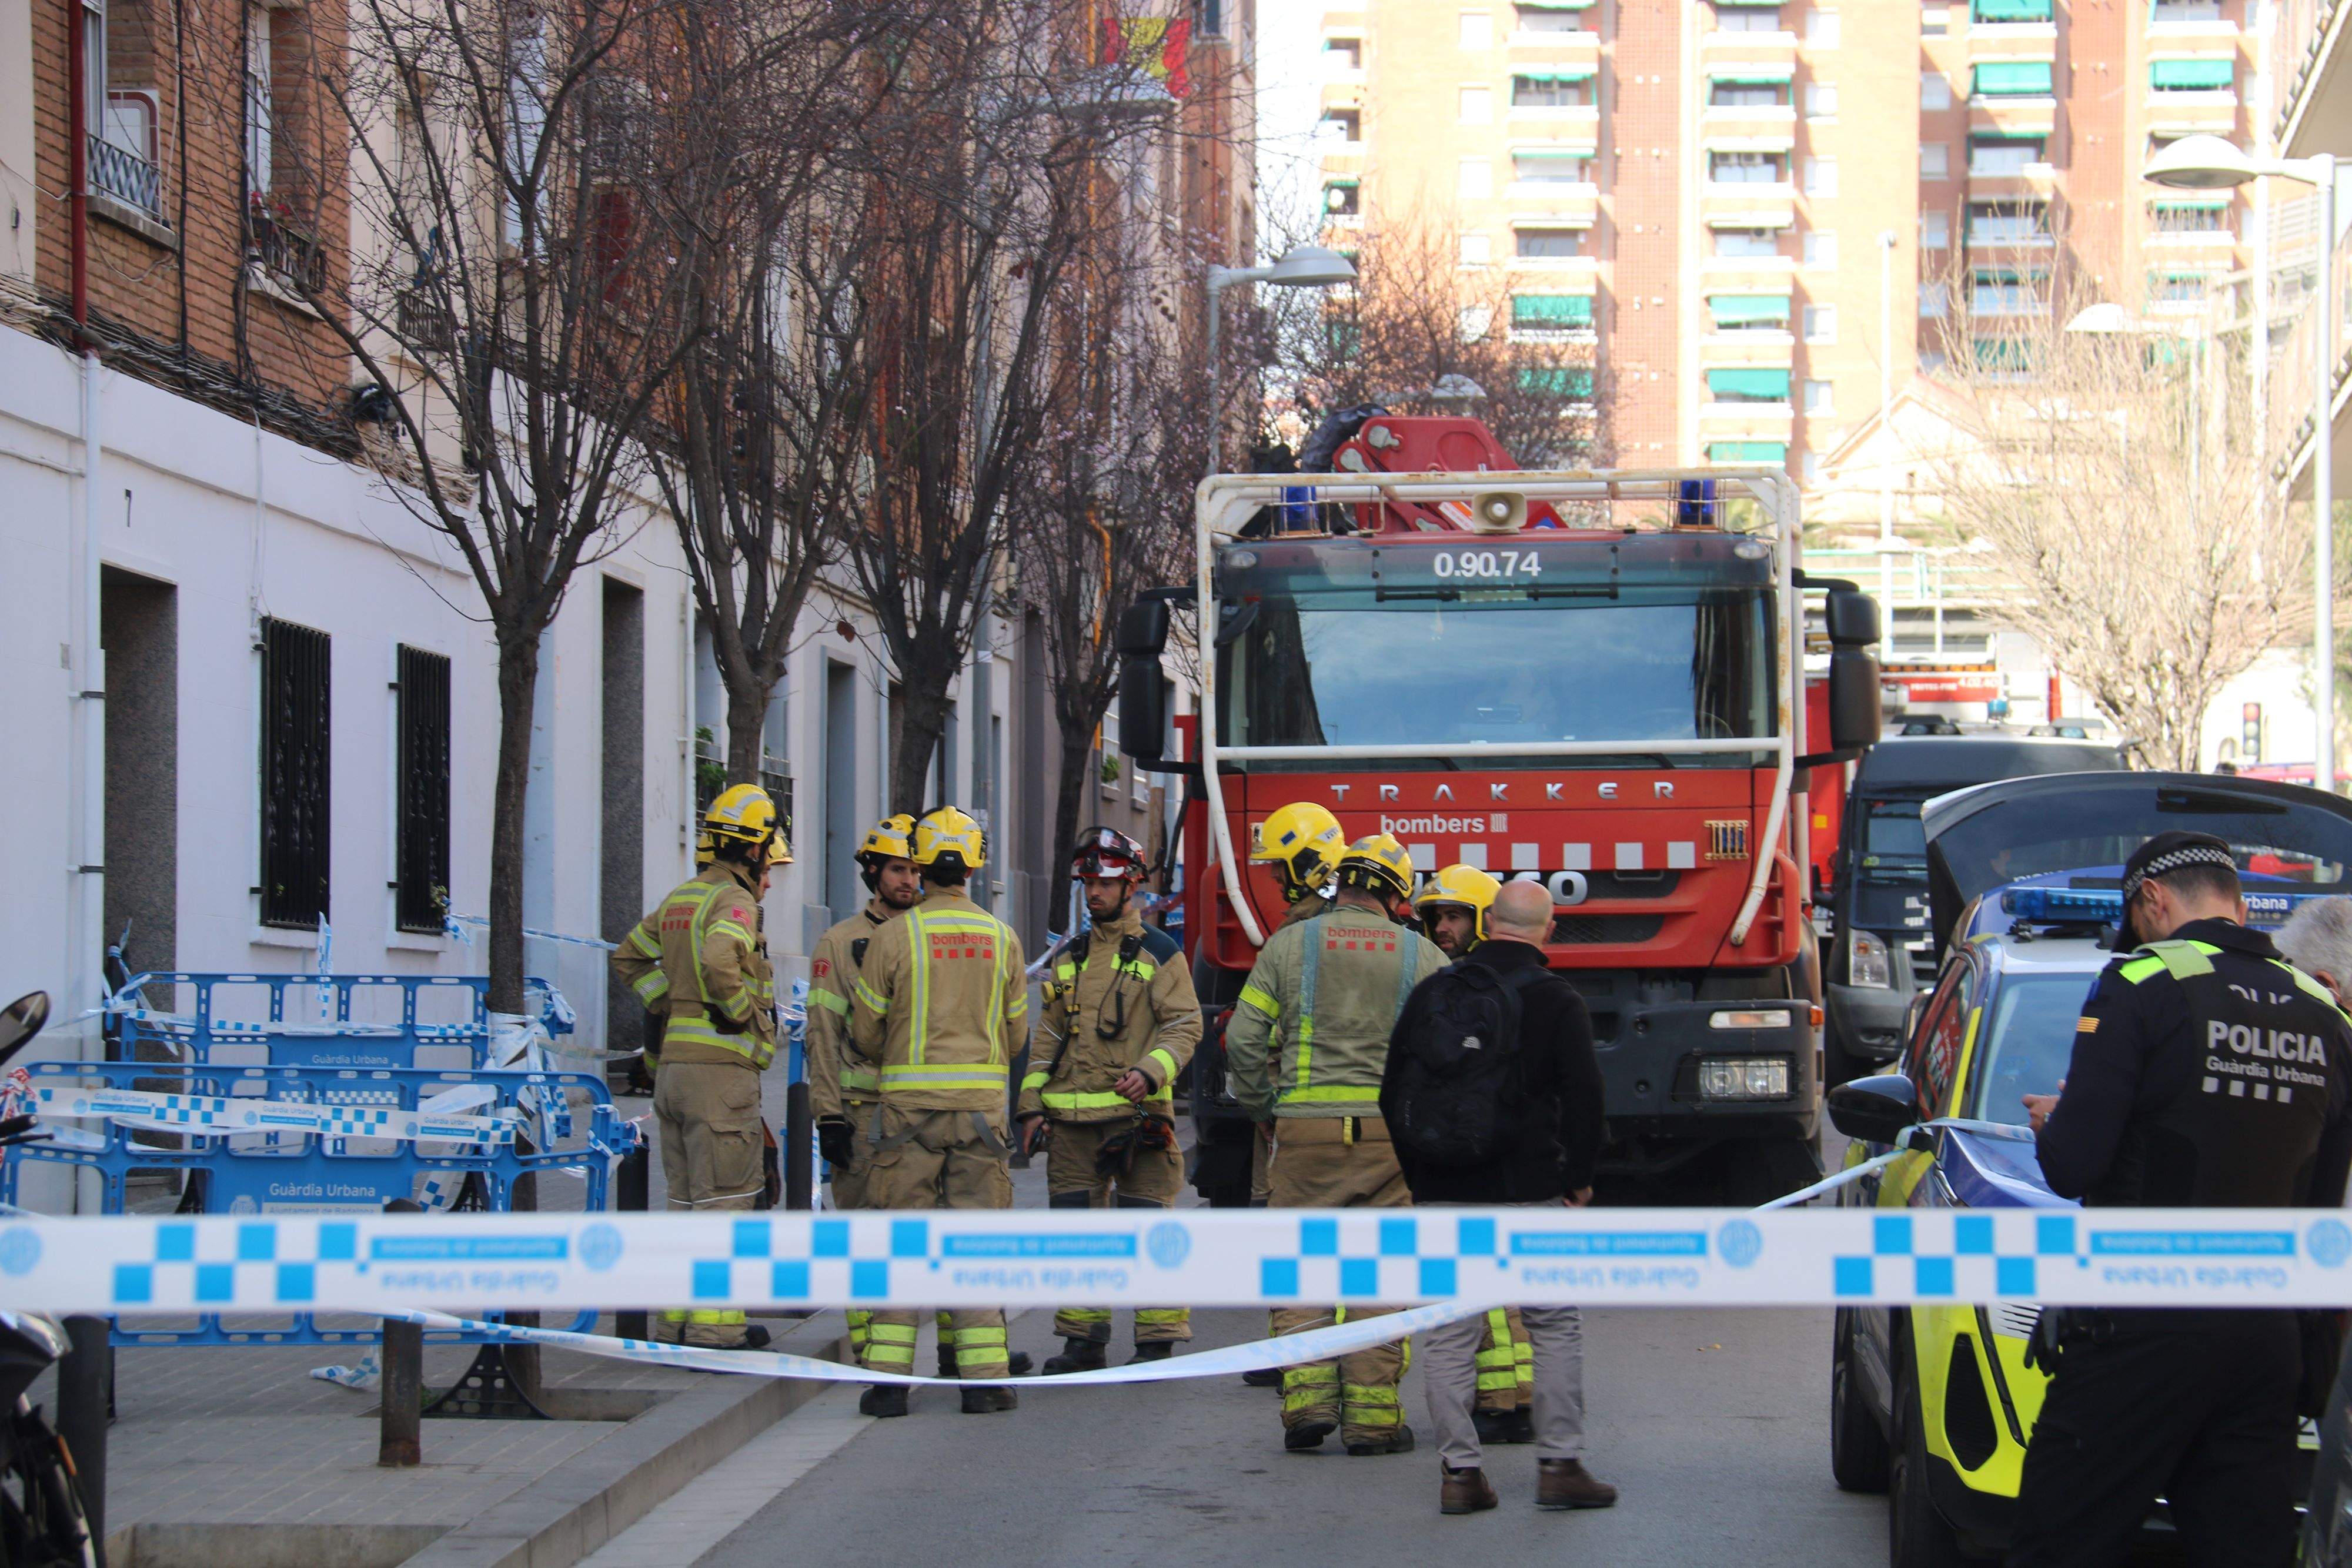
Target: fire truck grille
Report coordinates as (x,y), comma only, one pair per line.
(1587,929)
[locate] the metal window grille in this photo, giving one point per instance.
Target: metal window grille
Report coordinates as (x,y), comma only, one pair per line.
(421,895)
(295,726)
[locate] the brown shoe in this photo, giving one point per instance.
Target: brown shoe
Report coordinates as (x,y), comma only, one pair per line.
(1565,1483)
(1464,1491)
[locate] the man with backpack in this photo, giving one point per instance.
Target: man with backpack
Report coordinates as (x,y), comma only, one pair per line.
(1492,1097)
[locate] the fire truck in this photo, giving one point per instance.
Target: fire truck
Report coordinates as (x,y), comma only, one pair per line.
(1594,679)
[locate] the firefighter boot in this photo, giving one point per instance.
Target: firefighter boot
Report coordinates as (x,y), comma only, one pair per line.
(883,1399)
(1397,1441)
(988,1400)
(1514,1425)
(1077,1355)
(1153,1350)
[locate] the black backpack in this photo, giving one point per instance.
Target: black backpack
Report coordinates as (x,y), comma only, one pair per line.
(1457,1096)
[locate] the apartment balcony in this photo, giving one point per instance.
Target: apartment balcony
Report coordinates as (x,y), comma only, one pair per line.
(1341,159)
(1763,126)
(1561,274)
(1548,47)
(1995,41)
(1746,421)
(1747,274)
(1733,205)
(1760,348)
(1576,123)
(1716,46)
(1348,94)
(2012,116)
(1553,206)
(2182,113)
(2311,59)
(2029,182)
(135,182)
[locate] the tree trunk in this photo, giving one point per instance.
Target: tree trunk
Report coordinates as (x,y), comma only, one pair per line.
(746,728)
(518,683)
(916,721)
(1069,794)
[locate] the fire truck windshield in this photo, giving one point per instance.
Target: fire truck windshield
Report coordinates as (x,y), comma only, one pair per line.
(1487,668)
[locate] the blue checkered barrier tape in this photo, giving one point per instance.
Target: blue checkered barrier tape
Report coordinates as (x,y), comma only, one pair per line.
(376,1264)
(205,1115)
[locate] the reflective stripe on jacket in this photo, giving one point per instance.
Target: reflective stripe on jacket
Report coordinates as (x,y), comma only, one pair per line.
(940,1005)
(698,959)
(1309,1035)
(839,1078)
(1101,1016)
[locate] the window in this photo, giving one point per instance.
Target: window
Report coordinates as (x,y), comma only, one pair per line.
(1934,302)
(2184,10)
(1747,168)
(1935,92)
(1557,381)
(1935,160)
(2177,287)
(1473,177)
(1735,18)
(1564,168)
(1999,291)
(1343,54)
(1208,20)
(1478,30)
(1550,244)
(259,107)
(421,858)
(2191,75)
(1552,90)
(1476,319)
(1821,323)
(2012,78)
(1727,92)
(1821,177)
(1478,249)
(1821,100)
(2002,154)
(1551,312)
(1821,250)
(296,671)
(1982,11)
(2006,358)
(1747,386)
(1935,21)
(2195,215)
(1548,19)
(1749,312)
(1819,398)
(1342,198)
(1749,243)
(1475,106)
(1342,125)
(1935,231)
(2008,223)
(1822,29)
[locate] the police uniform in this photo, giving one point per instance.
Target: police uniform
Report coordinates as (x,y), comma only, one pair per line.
(1305,1046)
(2207,1073)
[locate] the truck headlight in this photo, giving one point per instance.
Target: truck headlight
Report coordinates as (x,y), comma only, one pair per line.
(1759,1018)
(1866,962)
(1743,1078)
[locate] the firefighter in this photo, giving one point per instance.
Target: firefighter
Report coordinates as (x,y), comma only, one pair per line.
(1303,843)
(1120,1021)
(1452,905)
(699,960)
(1306,1048)
(939,1005)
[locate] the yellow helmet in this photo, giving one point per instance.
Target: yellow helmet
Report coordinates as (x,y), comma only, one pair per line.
(1377,863)
(1464,885)
(948,839)
(742,812)
(779,849)
(705,852)
(1304,839)
(886,840)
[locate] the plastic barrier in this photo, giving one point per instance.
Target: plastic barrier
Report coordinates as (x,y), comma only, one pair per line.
(335,1020)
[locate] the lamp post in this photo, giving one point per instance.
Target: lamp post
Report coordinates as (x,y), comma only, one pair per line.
(2214,163)
(1301,267)
(1886,469)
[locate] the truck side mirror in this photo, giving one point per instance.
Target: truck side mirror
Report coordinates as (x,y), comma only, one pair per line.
(1142,705)
(1852,618)
(1853,694)
(1142,630)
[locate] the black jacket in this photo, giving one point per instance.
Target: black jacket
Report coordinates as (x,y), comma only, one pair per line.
(1562,1081)
(2231,1087)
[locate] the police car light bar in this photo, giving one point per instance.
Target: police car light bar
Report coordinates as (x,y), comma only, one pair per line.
(2064,905)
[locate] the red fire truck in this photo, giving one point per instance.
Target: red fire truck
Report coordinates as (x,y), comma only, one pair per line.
(1594,679)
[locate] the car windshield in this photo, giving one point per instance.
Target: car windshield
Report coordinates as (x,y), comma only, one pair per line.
(1487,668)
(2027,1041)
(1894,845)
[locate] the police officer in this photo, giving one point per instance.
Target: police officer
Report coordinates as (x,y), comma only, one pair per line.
(1306,1048)
(1118,1022)
(699,960)
(2163,1107)
(940,1007)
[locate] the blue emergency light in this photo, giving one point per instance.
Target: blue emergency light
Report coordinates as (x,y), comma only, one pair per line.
(2064,905)
(1695,503)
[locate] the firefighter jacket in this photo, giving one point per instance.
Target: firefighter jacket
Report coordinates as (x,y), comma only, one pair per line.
(1116,997)
(940,1005)
(698,960)
(840,1081)
(1310,1036)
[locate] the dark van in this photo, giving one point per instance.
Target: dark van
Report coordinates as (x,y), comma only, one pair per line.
(1883,950)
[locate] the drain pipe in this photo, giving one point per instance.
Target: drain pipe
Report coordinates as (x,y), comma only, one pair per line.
(86,858)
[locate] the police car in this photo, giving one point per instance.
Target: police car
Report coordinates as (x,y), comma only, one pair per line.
(1934,1405)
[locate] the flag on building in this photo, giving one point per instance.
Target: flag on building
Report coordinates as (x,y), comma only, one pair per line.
(1153,44)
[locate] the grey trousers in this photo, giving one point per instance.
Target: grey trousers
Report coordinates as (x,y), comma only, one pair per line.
(1449,1370)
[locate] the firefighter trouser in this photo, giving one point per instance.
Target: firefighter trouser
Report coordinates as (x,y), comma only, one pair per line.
(1339,1162)
(1261,1146)
(1506,1369)
(1072,1182)
(848,1192)
(707,1115)
(938,1159)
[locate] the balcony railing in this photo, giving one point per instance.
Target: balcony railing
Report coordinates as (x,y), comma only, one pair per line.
(291,254)
(126,176)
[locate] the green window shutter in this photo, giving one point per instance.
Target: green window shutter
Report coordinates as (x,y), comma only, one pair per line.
(2013,78)
(1767,384)
(1731,309)
(2003,354)
(2189,204)
(1563,152)
(1764,453)
(2191,75)
(1553,5)
(1552,73)
(1752,75)
(2009,11)
(1564,381)
(1554,310)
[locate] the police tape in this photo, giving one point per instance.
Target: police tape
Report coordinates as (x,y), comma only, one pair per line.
(213,1116)
(375,1263)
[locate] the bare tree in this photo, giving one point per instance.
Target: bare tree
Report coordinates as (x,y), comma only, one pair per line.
(2087,458)
(523,218)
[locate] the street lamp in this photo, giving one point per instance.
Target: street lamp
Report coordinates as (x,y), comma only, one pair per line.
(2215,163)
(1301,267)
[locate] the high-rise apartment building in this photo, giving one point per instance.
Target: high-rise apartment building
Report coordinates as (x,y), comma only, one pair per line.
(1762,211)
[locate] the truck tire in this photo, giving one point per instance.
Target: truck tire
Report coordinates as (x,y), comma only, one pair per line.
(1917,1535)
(1859,1456)
(1757,1170)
